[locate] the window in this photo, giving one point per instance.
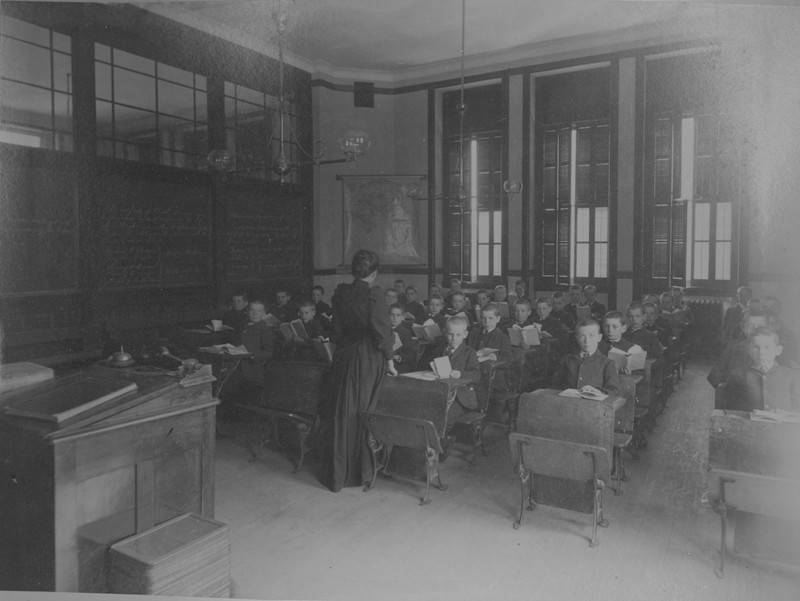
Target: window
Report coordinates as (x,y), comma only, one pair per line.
(474,215)
(573,206)
(148,111)
(692,184)
(35,86)
(252,131)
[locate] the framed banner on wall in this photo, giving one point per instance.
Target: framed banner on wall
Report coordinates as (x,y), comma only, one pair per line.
(381,213)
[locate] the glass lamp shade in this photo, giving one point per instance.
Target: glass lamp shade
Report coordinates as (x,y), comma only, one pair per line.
(220,160)
(354,143)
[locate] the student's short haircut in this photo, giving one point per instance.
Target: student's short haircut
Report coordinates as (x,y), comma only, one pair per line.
(482,291)
(558,294)
(673,289)
(741,288)
(258,301)
(396,306)
(765,331)
(545,300)
(615,314)
(436,297)
(649,304)
(390,291)
(587,322)
(521,283)
(308,303)
(457,320)
(414,288)
(666,293)
(590,288)
(656,299)
(242,294)
(284,290)
(499,286)
(320,288)
(491,308)
(635,305)
(400,282)
(455,281)
(522,301)
(458,293)
(575,287)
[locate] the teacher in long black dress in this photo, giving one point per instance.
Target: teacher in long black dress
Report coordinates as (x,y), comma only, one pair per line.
(363,337)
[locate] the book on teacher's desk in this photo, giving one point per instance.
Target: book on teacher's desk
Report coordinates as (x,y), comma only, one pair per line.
(429,331)
(63,401)
(634,359)
(583,394)
(529,335)
(226,349)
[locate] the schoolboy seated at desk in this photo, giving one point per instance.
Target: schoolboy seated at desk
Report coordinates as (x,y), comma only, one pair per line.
(614,327)
(315,328)
(285,309)
(413,306)
(558,301)
(763,384)
(323,309)
(458,304)
(236,316)
(587,369)
(488,335)
(640,335)
(465,367)
(597,308)
(737,354)
(550,325)
(405,355)
(662,330)
(435,312)
(247,382)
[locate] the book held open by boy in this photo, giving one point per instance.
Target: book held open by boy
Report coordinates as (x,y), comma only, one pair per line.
(634,359)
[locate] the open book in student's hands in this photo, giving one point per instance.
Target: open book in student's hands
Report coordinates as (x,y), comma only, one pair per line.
(226,349)
(529,335)
(635,358)
(584,393)
(429,331)
(487,354)
(290,329)
(272,321)
(441,367)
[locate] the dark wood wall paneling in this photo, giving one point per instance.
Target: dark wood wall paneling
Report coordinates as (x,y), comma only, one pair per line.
(93,246)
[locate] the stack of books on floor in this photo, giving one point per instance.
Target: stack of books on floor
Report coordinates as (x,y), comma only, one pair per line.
(188,556)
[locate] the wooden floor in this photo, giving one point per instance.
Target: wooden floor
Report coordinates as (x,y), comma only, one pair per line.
(293,539)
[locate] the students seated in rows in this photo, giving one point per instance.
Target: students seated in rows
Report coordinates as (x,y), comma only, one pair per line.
(247,383)
(405,355)
(435,312)
(586,368)
(614,327)
(285,309)
(640,335)
(597,308)
(575,294)
(465,364)
(522,314)
(323,309)
(655,325)
(732,322)
(400,288)
(236,316)
(763,384)
(736,354)
(413,306)
(558,301)
(458,304)
(489,335)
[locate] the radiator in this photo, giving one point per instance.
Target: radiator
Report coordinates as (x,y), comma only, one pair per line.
(708,312)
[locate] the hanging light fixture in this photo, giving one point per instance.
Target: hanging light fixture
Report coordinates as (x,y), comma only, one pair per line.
(352,143)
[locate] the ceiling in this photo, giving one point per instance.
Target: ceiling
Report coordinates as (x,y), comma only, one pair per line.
(392,38)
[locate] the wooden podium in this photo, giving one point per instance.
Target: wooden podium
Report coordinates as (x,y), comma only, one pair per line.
(68,493)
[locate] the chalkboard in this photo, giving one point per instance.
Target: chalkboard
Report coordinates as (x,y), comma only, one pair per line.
(153,233)
(263,236)
(38,230)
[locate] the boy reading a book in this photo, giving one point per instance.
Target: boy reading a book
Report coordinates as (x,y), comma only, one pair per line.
(614,327)
(465,366)
(763,384)
(587,369)
(308,315)
(550,325)
(488,336)
(435,312)
(405,355)
(322,308)
(458,302)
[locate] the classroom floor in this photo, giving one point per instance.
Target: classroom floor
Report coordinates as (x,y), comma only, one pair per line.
(293,539)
